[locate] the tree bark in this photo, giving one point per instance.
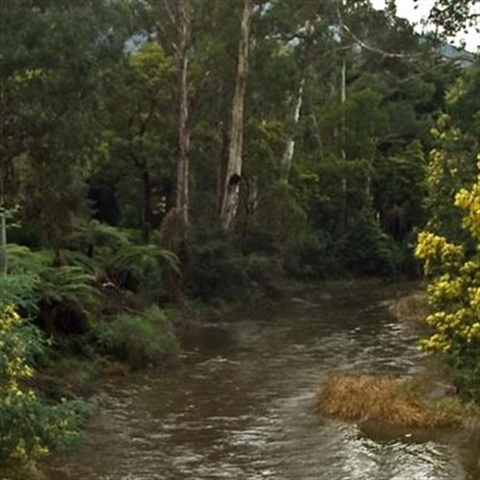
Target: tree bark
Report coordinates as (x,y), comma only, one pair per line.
(182,198)
(287,157)
(342,140)
(234,167)
(173,230)
(3,245)
(147,206)
(3,228)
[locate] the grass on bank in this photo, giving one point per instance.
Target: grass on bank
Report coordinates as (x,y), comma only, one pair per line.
(413,309)
(388,400)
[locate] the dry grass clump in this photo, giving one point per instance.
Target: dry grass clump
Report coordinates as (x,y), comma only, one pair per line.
(383,399)
(413,309)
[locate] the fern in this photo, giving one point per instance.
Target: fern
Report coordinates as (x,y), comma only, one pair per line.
(22,260)
(19,290)
(100,235)
(145,260)
(80,260)
(67,284)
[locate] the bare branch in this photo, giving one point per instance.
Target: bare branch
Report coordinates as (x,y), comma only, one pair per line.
(171,16)
(365,45)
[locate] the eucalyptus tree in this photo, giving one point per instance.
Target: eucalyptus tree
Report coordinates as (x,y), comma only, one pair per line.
(51,53)
(178,14)
(234,166)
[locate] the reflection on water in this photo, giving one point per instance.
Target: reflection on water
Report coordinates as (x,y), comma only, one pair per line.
(243,409)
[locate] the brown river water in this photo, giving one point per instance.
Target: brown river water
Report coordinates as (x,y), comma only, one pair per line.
(241,404)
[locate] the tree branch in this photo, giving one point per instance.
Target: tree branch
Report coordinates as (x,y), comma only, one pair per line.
(365,45)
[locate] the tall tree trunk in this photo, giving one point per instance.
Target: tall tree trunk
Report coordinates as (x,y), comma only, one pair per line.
(174,225)
(342,141)
(3,245)
(287,157)
(3,228)
(222,165)
(343,100)
(234,167)
(147,206)
(182,199)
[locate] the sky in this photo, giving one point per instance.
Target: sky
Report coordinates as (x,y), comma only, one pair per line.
(405,9)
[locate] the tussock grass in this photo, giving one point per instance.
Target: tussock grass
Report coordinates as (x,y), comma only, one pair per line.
(384,399)
(413,309)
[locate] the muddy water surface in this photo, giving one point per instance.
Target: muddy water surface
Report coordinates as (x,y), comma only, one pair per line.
(241,404)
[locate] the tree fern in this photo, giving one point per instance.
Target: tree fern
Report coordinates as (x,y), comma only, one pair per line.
(67,284)
(145,261)
(99,234)
(80,260)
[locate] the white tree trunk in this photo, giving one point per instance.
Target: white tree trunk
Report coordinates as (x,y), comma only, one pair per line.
(174,226)
(343,99)
(234,167)
(287,157)
(342,139)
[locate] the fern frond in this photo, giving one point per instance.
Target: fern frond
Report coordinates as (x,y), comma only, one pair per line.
(67,284)
(144,259)
(23,260)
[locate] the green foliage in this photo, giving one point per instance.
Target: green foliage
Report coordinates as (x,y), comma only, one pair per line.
(49,292)
(262,268)
(19,290)
(334,192)
(399,186)
(454,292)
(24,260)
(450,168)
(90,130)
(218,266)
(97,234)
(370,251)
(49,99)
(67,284)
(449,246)
(282,215)
(28,426)
(452,16)
(312,256)
(137,338)
(152,67)
(452,160)
(143,267)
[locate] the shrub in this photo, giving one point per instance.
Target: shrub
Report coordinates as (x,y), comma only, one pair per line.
(19,290)
(454,292)
(51,293)
(369,251)
(137,339)
(262,268)
(28,426)
(143,268)
(310,256)
(218,267)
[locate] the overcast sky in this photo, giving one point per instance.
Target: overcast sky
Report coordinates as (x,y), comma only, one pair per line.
(405,9)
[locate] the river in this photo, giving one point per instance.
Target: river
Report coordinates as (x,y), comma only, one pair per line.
(241,404)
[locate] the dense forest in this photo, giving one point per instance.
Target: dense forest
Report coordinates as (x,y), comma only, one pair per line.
(156,153)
